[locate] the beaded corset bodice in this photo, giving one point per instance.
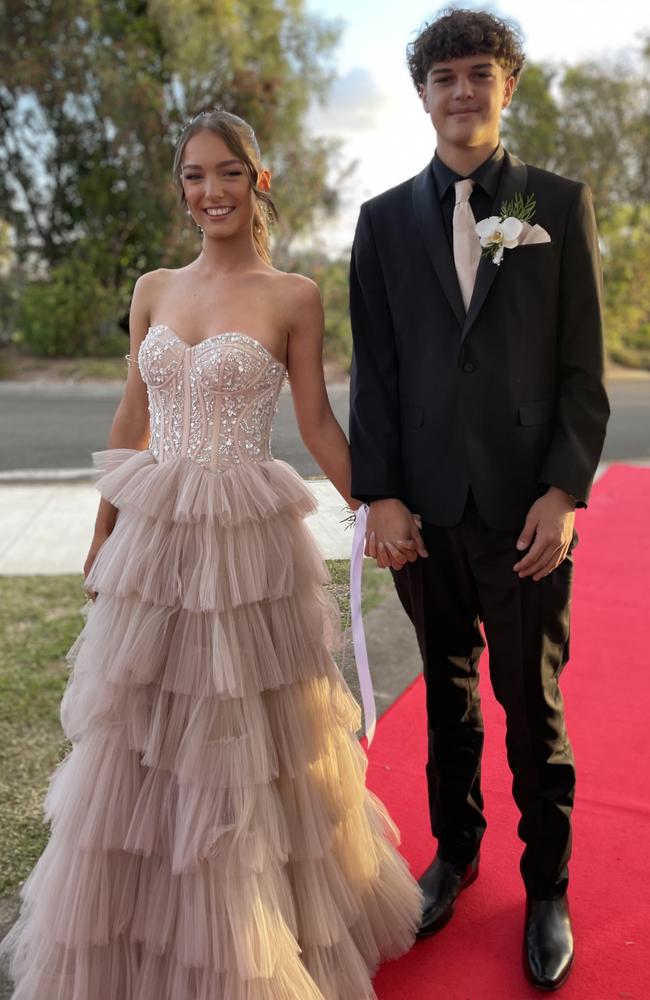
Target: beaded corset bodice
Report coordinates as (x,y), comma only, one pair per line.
(212,402)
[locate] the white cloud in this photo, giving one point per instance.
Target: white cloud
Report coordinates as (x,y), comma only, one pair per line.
(353,104)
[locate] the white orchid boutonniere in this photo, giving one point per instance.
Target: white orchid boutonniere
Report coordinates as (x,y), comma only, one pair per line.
(502,232)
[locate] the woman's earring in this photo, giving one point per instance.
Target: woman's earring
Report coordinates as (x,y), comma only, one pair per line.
(200,228)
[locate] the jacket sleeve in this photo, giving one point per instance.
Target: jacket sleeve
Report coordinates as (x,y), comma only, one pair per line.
(374,392)
(582,408)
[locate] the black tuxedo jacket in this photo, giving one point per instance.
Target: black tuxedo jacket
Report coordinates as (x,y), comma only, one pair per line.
(507,399)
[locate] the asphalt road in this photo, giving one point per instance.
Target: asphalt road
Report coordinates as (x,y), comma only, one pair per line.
(57,426)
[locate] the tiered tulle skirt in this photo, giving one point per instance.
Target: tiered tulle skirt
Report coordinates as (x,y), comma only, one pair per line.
(212,836)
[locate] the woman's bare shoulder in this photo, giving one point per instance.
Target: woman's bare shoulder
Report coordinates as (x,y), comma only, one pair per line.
(298,288)
(158,278)
(151,285)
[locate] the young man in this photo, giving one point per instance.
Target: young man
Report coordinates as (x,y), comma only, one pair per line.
(477,402)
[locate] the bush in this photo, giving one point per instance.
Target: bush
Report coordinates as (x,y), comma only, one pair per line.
(69,315)
(331,276)
(333,281)
(626,238)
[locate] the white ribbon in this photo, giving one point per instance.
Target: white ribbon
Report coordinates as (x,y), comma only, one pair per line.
(358,634)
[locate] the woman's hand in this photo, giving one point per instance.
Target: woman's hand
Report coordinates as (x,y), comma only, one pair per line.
(100,536)
(393,534)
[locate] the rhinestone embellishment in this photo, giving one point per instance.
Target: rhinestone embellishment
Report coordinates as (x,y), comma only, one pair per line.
(213,402)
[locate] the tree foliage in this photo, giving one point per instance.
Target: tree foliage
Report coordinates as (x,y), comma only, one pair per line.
(93,94)
(626,245)
(591,122)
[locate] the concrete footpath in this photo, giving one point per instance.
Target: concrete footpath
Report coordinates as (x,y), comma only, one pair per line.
(46,524)
(46,527)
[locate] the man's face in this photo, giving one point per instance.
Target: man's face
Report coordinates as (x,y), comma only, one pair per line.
(464,99)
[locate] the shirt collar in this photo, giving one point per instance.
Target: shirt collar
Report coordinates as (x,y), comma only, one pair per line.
(487,174)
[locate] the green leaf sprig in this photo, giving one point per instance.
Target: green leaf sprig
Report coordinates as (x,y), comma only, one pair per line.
(350,517)
(518,208)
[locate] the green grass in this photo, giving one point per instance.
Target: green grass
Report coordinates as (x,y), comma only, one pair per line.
(15,365)
(90,369)
(377,584)
(39,620)
(7,369)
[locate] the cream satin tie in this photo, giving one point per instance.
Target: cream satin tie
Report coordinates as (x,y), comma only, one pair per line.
(467,246)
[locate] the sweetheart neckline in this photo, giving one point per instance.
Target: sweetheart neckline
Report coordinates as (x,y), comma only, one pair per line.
(216,336)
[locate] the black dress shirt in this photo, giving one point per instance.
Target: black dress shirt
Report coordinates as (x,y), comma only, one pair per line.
(486,182)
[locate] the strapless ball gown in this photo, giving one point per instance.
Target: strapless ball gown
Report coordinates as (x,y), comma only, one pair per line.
(212,836)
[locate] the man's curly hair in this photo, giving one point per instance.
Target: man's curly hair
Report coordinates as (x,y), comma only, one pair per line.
(457,33)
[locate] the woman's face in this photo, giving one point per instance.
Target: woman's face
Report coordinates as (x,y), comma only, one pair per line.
(216,186)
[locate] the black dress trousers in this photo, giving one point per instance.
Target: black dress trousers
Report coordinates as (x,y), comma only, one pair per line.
(468,579)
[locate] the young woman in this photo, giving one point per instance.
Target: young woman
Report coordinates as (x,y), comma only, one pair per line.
(212,836)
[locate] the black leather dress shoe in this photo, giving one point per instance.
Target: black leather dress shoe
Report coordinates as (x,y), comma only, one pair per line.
(441,884)
(548,942)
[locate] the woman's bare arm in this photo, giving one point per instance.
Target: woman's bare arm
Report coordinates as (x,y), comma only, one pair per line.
(319,428)
(130,427)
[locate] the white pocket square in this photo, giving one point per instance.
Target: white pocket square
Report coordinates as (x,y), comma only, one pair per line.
(530,235)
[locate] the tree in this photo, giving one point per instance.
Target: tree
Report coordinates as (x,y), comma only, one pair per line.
(591,122)
(532,123)
(9,283)
(626,244)
(331,276)
(82,138)
(641,128)
(93,94)
(265,61)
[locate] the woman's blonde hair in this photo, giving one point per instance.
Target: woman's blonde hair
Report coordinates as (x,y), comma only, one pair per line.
(240,139)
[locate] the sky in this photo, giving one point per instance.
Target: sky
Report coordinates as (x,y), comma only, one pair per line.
(373,106)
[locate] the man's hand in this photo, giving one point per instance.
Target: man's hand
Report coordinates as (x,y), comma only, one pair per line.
(548,531)
(393,534)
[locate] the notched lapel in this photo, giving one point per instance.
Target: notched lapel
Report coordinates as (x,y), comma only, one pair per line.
(513,179)
(426,207)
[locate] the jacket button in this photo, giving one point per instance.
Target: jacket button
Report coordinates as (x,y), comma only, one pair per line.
(469,367)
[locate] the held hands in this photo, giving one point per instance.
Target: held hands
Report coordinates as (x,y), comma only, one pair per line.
(548,531)
(393,534)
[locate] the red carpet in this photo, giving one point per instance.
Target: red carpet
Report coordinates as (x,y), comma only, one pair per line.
(606,687)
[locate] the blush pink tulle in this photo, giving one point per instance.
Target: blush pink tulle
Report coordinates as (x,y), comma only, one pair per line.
(212,836)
